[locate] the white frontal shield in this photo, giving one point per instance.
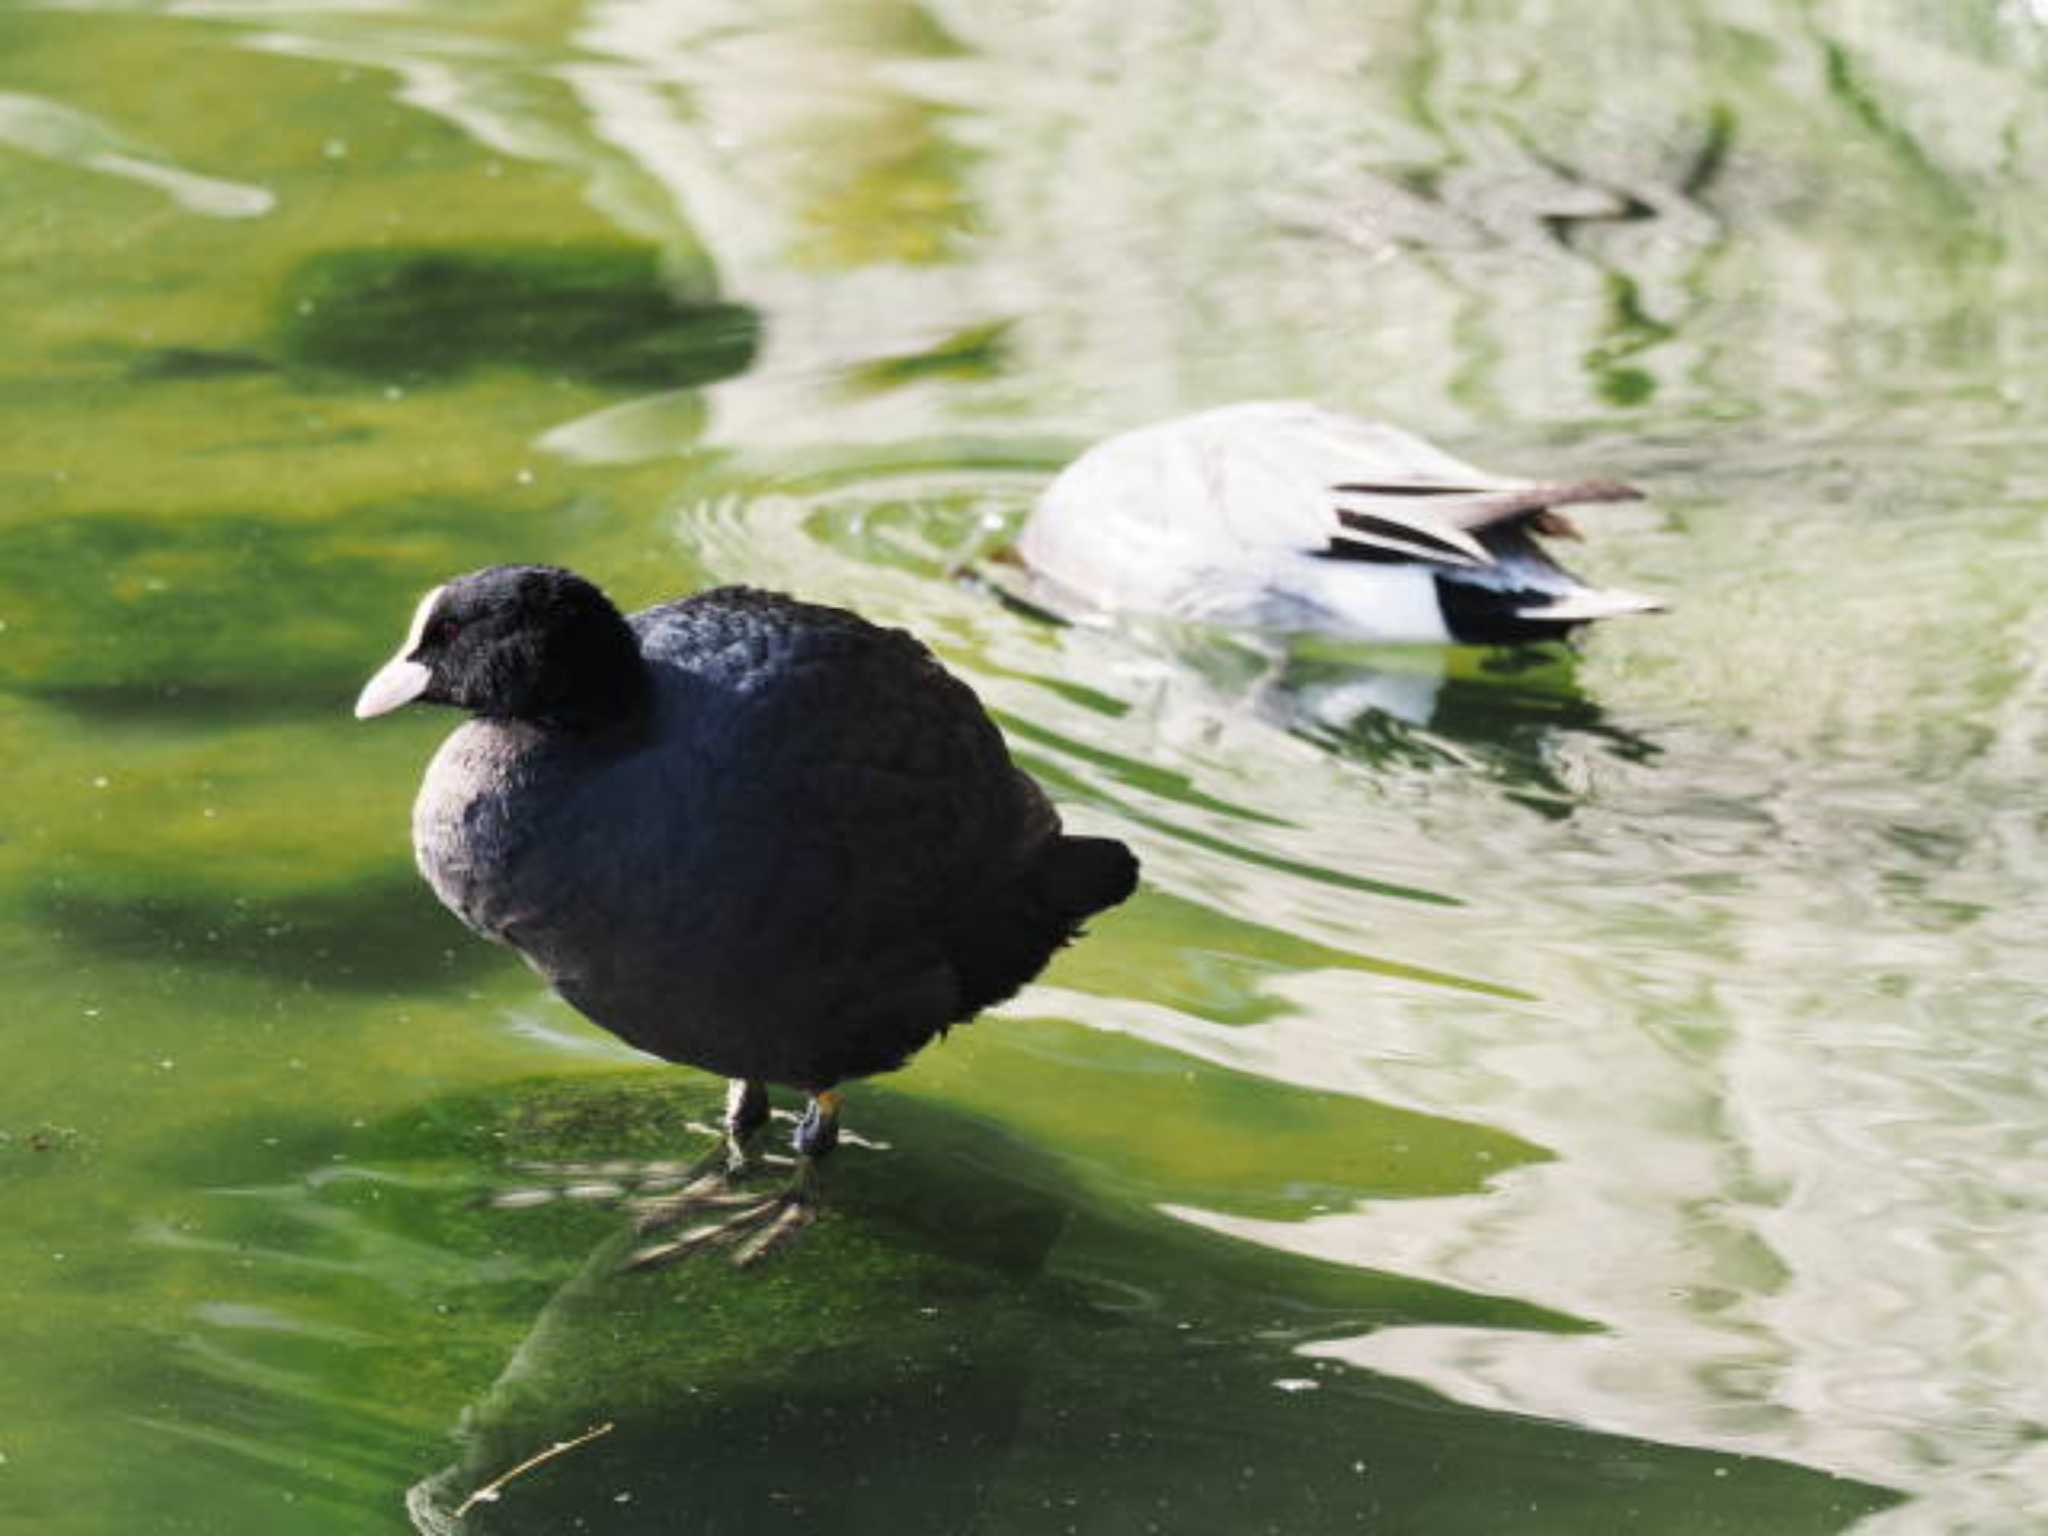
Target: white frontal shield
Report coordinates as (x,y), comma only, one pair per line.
(401,679)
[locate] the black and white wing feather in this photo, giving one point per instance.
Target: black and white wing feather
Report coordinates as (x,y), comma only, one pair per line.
(1285,515)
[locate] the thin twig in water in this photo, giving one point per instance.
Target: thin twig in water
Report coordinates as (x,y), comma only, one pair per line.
(489,1492)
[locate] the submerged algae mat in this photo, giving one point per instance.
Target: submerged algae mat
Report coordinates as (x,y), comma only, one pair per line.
(607,314)
(967,1342)
(603,314)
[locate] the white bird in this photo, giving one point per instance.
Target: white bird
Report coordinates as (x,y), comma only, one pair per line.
(1280,515)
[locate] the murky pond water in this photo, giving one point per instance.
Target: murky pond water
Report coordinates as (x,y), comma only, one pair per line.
(1596,1094)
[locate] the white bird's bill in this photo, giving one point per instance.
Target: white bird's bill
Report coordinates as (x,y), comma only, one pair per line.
(401,679)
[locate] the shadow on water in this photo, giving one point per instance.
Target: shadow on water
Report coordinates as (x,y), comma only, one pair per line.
(970,1342)
(603,314)
(1174,1131)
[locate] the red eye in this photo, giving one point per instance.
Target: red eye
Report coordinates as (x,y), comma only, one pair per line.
(445,630)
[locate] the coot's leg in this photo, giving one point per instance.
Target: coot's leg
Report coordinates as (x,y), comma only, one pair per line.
(761,1226)
(818,1132)
(746,1111)
(709,1183)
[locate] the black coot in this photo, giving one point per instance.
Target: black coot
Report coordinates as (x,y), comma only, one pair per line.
(746,833)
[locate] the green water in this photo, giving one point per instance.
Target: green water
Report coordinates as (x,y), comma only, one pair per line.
(1588,1096)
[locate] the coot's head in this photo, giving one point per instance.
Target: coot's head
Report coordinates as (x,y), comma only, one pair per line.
(516,642)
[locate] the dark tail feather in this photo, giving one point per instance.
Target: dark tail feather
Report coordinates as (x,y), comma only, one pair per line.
(1006,940)
(1081,876)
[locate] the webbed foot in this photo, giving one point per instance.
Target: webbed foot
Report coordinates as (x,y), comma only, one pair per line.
(757,1226)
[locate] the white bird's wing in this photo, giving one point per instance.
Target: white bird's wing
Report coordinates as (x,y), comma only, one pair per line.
(1436,522)
(1387,490)
(1287,475)
(1215,513)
